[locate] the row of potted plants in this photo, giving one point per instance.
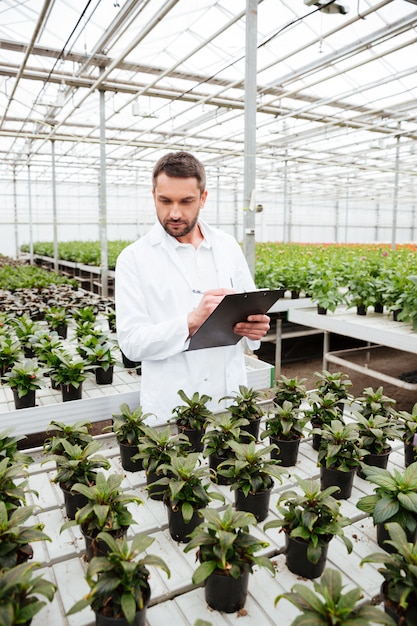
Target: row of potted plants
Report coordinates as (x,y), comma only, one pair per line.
(166,482)
(30,350)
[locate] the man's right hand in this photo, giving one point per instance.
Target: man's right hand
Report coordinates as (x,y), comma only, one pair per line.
(207,304)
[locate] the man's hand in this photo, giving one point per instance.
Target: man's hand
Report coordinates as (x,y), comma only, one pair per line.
(255,327)
(208,303)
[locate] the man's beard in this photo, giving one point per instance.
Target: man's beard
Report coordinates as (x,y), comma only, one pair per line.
(179,228)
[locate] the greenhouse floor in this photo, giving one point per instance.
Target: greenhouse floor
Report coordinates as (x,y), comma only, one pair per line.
(175,599)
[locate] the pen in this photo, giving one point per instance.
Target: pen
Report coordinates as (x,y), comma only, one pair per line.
(197,291)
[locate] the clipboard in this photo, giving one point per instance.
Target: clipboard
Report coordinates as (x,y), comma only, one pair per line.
(217,330)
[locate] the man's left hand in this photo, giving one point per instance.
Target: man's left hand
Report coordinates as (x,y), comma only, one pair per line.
(255,327)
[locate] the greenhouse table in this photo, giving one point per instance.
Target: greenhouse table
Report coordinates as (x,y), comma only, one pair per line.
(374,328)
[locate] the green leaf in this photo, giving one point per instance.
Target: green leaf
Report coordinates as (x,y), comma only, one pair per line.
(129,608)
(203,571)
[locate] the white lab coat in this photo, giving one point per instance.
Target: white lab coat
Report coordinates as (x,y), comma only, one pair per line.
(153,298)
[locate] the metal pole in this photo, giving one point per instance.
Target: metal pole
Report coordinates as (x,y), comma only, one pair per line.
(103,199)
(336,222)
(54,214)
(250,134)
(218,199)
(16,228)
(347,210)
(30,216)
(395,205)
(285,216)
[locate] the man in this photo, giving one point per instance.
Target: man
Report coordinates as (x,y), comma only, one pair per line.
(169,282)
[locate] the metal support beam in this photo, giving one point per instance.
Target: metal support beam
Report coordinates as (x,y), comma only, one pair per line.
(54,209)
(103,199)
(250,134)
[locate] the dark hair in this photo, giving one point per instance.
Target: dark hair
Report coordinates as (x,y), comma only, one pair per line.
(180,165)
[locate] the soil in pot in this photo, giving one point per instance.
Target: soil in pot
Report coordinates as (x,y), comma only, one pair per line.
(287,452)
(25,402)
(225,593)
(256,503)
(194,435)
(126,453)
(343,480)
(69,392)
(374,460)
(73,502)
(104,377)
(297,561)
(179,530)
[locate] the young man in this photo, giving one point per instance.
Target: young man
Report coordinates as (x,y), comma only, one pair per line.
(169,282)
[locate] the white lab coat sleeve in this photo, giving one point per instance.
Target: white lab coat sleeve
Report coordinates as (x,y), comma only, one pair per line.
(140,335)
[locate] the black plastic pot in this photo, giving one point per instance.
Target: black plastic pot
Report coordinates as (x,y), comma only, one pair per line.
(214,462)
(26,401)
(178,529)
(126,453)
(297,561)
(62,330)
(73,502)
(382,535)
(104,377)
(152,477)
(194,435)
(224,593)
(128,363)
(410,454)
(69,392)
(250,430)
(343,480)
(321,310)
(287,452)
(374,460)
(256,503)
(361,309)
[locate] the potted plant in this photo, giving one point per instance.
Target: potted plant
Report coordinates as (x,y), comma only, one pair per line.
(323,409)
(289,389)
(310,518)
(339,456)
(191,417)
(399,588)
(222,429)
(19,594)
(57,319)
(156,447)
(10,353)
(227,555)
(13,494)
(77,464)
(15,538)
(24,379)
(185,493)
(105,511)
(110,315)
(25,328)
(394,500)
(119,582)
(325,291)
(101,357)
(76,434)
(408,426)
(9,448)
(284,426)
(245,406)
(128,427)
(336,383)
(69,374)
(329,605)
(251,475)
(374,432)
(375,402)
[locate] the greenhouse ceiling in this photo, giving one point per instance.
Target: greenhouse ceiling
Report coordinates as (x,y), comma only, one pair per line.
(336,89)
